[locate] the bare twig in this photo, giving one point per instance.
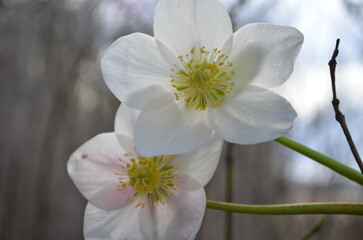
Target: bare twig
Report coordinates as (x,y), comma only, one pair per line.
(339,116)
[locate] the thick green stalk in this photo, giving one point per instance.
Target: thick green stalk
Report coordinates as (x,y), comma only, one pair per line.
(334,165)
(290,209)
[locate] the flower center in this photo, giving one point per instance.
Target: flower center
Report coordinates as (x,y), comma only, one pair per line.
(203,79)
(150,177)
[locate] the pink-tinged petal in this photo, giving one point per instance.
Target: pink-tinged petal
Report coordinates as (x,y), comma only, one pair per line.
(166,127)
(125,120)
(134,70)
(257,115)
(182,25)
(110,197)
(92,167)
(123,223)
(264,54)
(180,219)
(202,162)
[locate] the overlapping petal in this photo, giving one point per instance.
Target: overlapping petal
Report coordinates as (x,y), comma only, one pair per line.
(256,115)
(125,120)
(182,25)
(202,162)
(199,164)
(166,127)
(264,54)
(134,70)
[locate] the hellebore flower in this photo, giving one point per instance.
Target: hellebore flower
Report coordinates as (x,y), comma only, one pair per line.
(135,197)
(196,77)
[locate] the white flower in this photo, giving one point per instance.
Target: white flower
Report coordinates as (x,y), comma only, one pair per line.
(134,197)
(196,77)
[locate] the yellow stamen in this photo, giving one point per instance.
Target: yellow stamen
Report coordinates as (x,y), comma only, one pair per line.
(204,79)
(152,179)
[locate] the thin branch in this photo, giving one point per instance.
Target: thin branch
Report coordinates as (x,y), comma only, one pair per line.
(290,209)
(315,230)
(339,116)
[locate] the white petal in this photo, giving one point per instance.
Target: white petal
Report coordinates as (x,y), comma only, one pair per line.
(178,220)
(182,25)
(165,127)
(118,224)
(257,115)
(134,69)
(264,54)
(168,55)
(201,163)
(173,60)
(125,120)
(92,168)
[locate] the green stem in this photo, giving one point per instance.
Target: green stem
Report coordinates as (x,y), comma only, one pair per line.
(334,165)
(290,209)
(229,190)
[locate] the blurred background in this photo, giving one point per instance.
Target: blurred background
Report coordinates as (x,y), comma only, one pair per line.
(53,99)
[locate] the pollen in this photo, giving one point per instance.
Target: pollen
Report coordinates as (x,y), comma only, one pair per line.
(203,78)
(152,179)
